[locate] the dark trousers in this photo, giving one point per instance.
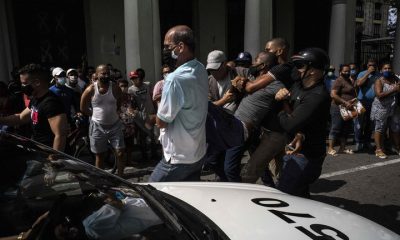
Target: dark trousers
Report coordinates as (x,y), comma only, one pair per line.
(363,125)
(272,144)
(298,173)
(226,164)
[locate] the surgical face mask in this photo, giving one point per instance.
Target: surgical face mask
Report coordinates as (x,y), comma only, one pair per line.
(173,55)
(353,72)
(167,58)
(165,75)
(27,90)
(330,74)
(387,74)
(61,80)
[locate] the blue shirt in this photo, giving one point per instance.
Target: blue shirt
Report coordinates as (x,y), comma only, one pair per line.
(183,106)
(329,82)
(367,92)
(66,95)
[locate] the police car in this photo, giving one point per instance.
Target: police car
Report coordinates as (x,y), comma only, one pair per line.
(46,194)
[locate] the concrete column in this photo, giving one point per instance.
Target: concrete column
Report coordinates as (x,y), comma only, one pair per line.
(156,40)
(266,22)
(252,27)
(132,36)
(284,22)
(350,31)
(396,60)
(337,35)
(6,63)
(142,37)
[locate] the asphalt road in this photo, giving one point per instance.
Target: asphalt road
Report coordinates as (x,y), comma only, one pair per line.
(363,184)
(360,183)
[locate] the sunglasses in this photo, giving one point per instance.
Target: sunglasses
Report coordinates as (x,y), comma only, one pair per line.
(300,64)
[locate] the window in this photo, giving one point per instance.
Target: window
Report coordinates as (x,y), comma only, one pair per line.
(359,10)
(377,30)
(378,14)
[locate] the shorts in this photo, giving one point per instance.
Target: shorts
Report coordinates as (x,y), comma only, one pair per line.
(100,135)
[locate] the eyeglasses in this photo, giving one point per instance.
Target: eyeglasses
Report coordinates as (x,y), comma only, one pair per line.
(300,64)
(169,46)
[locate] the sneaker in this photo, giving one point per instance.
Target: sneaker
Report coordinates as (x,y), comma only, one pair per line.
(380,154)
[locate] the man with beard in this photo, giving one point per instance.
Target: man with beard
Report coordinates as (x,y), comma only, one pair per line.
(105,126)
(45,111)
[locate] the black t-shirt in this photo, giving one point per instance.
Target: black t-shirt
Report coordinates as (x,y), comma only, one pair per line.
(310,117)
(287,74)
(42,109)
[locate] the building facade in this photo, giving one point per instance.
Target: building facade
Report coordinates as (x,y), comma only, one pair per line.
(129,33)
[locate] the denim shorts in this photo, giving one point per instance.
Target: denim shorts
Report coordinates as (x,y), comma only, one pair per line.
(100,135)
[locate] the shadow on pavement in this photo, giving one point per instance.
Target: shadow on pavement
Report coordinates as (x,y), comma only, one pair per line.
(326,185)
(387,216)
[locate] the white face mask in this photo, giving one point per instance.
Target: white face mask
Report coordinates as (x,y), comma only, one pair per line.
(173,55)
(330,74)
(165,75)
(61,80)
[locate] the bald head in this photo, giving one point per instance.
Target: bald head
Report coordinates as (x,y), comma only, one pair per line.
(267,58)
(182,33)
(279,47)
(103,71)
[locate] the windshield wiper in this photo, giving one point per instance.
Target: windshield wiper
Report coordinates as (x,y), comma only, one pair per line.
(154,198)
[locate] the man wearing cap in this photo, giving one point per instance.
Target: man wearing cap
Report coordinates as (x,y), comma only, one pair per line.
(45,111)
(67,95)
(244,59)
(105,126)
(74,82)
(330,78)
(226,164)
(141,91)
(221,92)
(182,111)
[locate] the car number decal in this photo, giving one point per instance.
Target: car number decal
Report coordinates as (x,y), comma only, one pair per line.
(318,229)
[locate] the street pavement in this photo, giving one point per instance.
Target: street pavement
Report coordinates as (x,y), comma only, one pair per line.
(363,184)
(360,183)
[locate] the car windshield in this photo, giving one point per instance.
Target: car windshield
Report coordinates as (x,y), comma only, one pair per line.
(61,197)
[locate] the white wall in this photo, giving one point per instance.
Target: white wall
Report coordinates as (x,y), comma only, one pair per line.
(104,20)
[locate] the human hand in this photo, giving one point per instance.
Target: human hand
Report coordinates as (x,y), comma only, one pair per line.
(228,96)
(239,83)
(348,104)
(282,94)
(371,69)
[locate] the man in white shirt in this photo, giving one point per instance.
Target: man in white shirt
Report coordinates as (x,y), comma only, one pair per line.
(182,111)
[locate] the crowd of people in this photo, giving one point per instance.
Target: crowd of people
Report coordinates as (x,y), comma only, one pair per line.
(276,107)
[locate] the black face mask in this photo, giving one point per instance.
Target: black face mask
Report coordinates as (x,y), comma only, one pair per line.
(167,58)
(345,75)
(104,80)
(27,90)
(254,71)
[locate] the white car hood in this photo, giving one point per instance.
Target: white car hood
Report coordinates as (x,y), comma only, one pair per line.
(230,206)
